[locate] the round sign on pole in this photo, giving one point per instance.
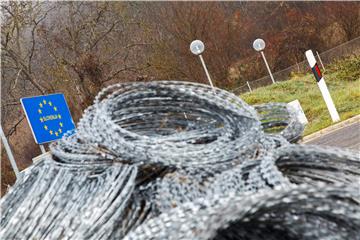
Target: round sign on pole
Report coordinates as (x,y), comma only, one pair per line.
(259,44)
(197,47)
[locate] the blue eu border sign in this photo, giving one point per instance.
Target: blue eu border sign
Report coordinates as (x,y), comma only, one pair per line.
(49,117)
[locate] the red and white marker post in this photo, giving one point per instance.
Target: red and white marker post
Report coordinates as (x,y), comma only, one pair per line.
(322,85)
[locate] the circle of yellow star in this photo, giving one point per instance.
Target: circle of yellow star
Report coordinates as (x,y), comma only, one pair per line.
(57,116)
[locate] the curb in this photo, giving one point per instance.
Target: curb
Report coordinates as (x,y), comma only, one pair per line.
(330,129)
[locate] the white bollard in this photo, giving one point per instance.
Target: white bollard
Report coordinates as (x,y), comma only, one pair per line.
(322,85)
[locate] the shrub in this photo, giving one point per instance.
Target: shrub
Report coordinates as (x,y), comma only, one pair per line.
(347,69)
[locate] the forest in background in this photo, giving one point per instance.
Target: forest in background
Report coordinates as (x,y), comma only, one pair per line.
(77,48)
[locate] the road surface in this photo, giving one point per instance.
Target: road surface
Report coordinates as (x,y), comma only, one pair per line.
(345,137)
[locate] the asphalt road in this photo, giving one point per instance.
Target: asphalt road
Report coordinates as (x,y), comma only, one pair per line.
(345,137)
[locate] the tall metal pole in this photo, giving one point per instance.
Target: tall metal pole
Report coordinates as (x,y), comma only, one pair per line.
(9,153)
(206,71)
(267,66)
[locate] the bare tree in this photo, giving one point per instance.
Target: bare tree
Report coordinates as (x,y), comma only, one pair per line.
(96,43)
(347,15)
(19,48)
(175,25)
(71,47)
(19,43)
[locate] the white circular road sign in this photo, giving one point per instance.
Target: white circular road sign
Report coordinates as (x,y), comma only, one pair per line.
(197,47)
(259,44)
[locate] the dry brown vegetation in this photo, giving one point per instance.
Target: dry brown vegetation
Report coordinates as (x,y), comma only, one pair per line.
(79,47)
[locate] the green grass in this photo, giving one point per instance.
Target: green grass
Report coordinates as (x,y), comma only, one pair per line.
(344,89)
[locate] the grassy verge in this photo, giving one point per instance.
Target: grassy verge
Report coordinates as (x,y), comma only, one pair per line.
(343,81)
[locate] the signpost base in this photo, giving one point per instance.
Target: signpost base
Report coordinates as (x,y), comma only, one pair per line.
(42,148)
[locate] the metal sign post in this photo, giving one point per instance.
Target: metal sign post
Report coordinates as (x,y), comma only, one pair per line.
(267,66)
(197,47)
(248,86)
(42,148)
(9,153)
(206,71)
(322,85)
(322,65)
(259,45)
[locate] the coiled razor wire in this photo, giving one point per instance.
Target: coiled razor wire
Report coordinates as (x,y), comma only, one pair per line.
(281,118)
(177,160)
(302,212)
